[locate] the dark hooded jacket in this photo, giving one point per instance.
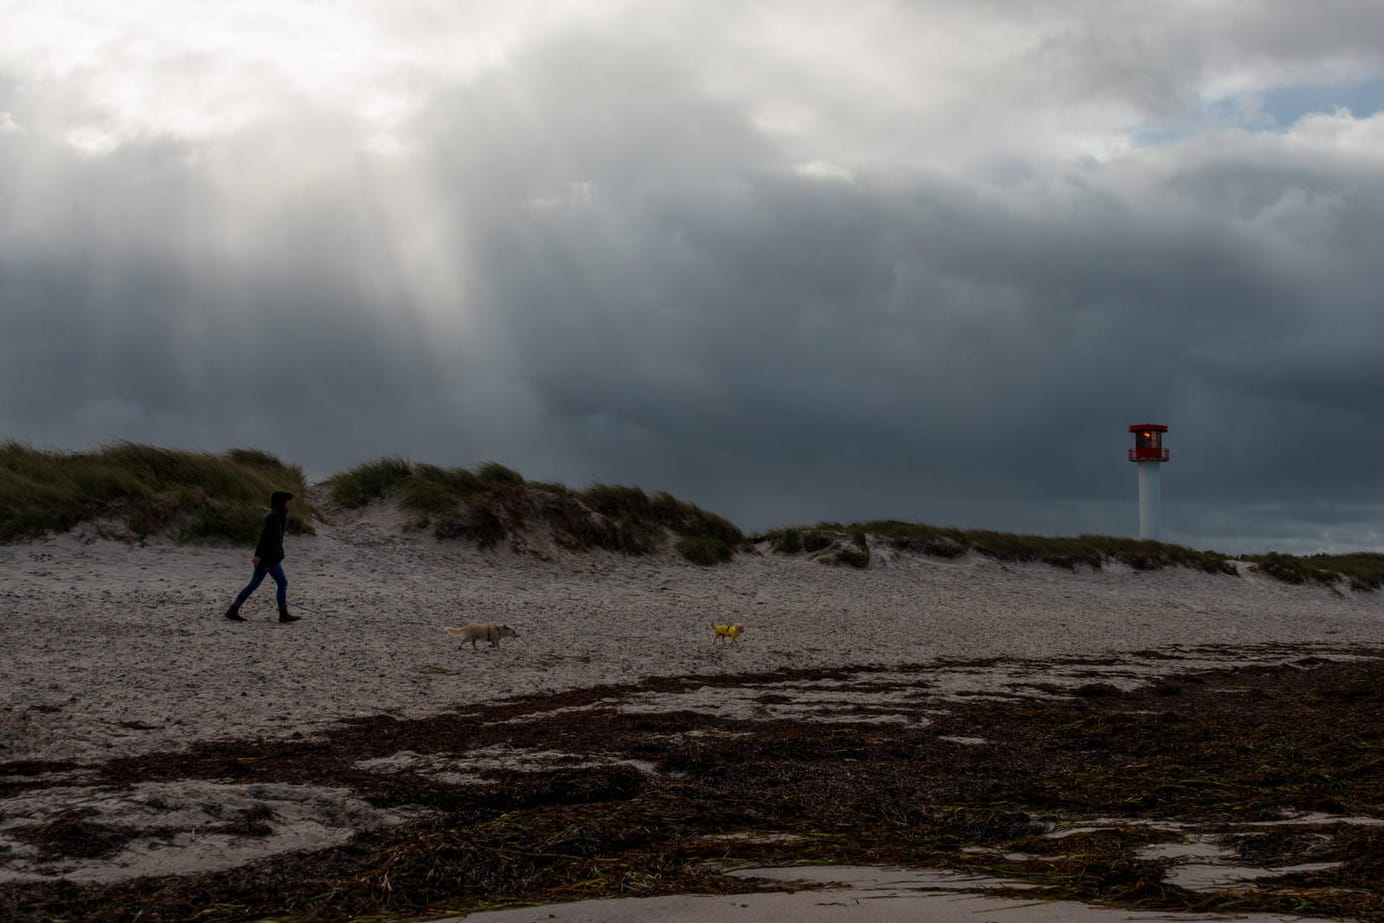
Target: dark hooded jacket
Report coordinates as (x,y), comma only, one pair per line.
(270,547)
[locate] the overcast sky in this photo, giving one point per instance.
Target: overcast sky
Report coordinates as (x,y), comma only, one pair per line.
(792,260)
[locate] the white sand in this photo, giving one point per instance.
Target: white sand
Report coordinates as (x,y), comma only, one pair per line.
(118,649)
(113,649)
(860,895)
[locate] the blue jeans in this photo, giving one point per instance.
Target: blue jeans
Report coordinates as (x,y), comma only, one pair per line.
(274,570)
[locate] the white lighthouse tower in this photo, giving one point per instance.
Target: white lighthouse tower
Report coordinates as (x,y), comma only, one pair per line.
(1149,454)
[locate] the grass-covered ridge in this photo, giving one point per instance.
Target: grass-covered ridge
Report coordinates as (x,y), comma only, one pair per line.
(189,496)
(492,503)
(850,544)
(138,490)
(834,543)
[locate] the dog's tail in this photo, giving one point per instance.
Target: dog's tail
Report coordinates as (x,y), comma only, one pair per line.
(453,631)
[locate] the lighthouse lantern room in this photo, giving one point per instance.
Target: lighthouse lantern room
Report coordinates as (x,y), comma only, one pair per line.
(1148,443)
(1149,453)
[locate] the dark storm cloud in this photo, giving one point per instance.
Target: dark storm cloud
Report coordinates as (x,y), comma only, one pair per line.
(593,264)
(944,337)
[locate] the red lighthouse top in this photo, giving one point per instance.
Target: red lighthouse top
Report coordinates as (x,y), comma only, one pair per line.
(1148,442)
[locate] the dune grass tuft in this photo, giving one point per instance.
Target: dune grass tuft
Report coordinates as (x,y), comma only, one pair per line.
(492,503)
(1363,571)
(185,495)
(370,481)
(704,549)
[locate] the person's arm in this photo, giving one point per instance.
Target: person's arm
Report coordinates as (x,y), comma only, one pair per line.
(266,538)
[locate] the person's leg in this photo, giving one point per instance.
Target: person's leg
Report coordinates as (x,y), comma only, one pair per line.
(277,572)
(250,587)
(233,613)
(281,579)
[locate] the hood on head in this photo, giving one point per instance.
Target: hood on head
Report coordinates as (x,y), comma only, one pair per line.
(278,501)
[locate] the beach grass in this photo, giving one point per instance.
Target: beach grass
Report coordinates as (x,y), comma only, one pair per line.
(135,491)
(139,490)
(837,543)
(492,503)
(849,544)
(1362,570)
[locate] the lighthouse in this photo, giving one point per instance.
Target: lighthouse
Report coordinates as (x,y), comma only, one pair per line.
(1148,453)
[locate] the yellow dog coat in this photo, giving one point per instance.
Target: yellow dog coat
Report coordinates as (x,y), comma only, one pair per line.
(728,631)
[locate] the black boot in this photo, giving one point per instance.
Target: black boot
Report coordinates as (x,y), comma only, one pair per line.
(285,617)
(233,613)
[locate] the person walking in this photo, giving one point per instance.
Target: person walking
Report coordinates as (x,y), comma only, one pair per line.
(268,559)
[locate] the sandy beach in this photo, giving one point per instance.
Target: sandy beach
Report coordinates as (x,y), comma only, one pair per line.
(117,651)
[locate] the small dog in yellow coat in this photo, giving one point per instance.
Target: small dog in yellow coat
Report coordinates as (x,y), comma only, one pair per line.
(721,632)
